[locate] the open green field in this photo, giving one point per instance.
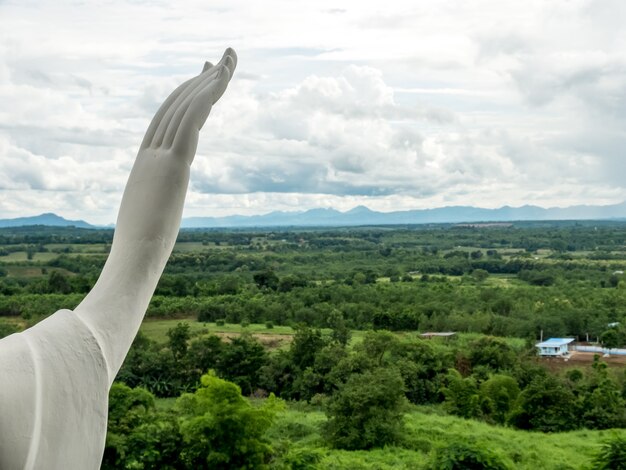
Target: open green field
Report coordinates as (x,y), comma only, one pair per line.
(427,430)
(157,329)
(27,271)
(194,247)
(298,429)
(77,247)
(22,256)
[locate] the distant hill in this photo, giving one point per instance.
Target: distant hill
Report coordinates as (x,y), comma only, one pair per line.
(44,219)
(361,215)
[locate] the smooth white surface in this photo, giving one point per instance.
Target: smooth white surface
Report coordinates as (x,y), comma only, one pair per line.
(55,376)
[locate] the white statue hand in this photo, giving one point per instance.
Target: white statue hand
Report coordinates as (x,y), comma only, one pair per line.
(176,124)
(55,376)
(151,211)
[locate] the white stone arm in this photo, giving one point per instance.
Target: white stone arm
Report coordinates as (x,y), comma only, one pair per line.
(150,213)
(55,376)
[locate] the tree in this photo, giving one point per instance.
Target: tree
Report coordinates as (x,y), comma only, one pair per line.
(266,279)
(462,398)
(307,342)
(138,436)
(178,338)
(603,406)
(58,283)
(340,333)
(498,395)
(367,411)
(546,405)
(493,353)
(377,344)
(422,367)
(611,338)
(205,353)
(241,361)
(221,430)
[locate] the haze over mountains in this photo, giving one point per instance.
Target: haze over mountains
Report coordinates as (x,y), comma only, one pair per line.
(455,214)
(48,219)
(363,216)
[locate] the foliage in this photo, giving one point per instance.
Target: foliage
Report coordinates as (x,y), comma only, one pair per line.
(602,405)
(240,362)
(7,328)
(498,395)
(178,338)
(461,395)
(466,456)
(222,430)
(367,411)
(546,405)
(489,284)
(612,455)
(493,353)
(138,436)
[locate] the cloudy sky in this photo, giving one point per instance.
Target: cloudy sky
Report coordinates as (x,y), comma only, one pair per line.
(393,105)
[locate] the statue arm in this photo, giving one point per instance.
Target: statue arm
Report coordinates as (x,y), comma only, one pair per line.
(150,213)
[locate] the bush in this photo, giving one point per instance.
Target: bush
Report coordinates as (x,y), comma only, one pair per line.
(269,325)
(466,455)
(367,411)
(138,436)
(221,429)
(220,322)
(7,328)
(303,459)
(612,456)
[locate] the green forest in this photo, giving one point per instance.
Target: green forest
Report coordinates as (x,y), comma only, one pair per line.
(303,348)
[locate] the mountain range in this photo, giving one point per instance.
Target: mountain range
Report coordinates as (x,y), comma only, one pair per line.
(361,215)
(48,219)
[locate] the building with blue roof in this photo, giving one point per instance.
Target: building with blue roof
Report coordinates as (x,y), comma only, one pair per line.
(554,346)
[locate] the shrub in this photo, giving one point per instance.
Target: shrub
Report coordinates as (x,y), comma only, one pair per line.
(367,411)
(7,328)
(466,455)
(612,455)
(220,322)
(303,459)
(221,429)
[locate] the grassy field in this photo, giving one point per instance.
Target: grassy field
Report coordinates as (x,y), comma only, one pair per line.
(31,271)
(22,256)
(190,247)
(78,247)
(157,331)
(427,430)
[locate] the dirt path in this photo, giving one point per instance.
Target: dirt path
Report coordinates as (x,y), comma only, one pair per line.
(581,359)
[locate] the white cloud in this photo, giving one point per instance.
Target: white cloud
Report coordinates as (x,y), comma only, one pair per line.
(395,106)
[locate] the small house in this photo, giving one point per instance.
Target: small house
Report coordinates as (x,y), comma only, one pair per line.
(554,346)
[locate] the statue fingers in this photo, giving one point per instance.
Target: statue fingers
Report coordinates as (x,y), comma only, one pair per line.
(165,131)
(183,105)
(156,120)
(186,137)
(161,129)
